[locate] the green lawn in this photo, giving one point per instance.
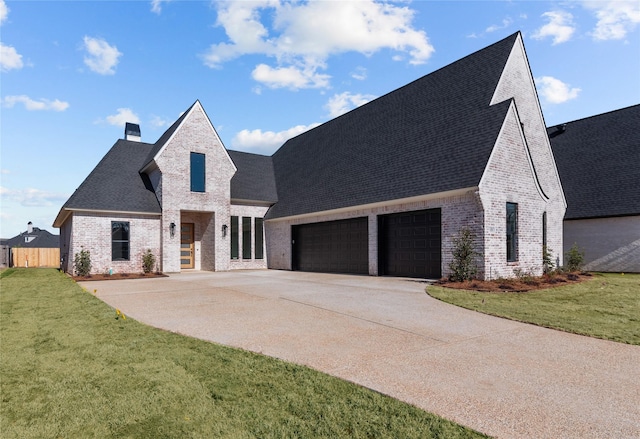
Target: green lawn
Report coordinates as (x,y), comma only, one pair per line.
(607,306)
(69,368)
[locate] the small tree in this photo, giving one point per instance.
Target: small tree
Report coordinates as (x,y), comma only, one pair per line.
(575,258)
(463,266)
(82,263)
(547,260)
(148,261)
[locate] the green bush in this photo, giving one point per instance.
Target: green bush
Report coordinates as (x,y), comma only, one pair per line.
(463,266)
(82,263)
(575,258)
(148,261)
(547,260)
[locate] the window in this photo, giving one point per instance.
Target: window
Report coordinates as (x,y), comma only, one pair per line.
(512,232)
(119,241)
(259,238)
(234,237)
(544,229)
(197,172)
(246,237)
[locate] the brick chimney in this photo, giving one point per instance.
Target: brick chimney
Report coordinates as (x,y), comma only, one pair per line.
(29,227)
(132,132)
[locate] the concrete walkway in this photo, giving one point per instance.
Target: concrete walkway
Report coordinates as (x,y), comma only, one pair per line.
(505,379)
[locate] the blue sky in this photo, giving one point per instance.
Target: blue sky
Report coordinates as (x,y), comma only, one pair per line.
(72,73)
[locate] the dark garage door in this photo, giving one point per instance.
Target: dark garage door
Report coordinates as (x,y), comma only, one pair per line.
(332,246)
(410,244)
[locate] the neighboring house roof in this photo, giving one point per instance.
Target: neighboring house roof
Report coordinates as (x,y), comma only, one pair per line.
(38,238)
(115,183)
(254,180)
(598,161)
(433,135)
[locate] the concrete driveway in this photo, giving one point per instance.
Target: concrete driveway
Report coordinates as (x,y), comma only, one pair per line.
(503,378)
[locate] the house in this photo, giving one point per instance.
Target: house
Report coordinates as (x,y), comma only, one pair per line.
(598,160)
(33,248)
(381,190)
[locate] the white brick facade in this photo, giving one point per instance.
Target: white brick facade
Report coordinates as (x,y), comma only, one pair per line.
(252,212)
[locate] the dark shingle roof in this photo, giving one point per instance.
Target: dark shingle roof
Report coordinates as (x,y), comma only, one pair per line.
(42,239)
(598,160)
(115,183)
(432,135)
(254,179)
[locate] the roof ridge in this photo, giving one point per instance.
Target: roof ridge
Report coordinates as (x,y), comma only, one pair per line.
(595,115)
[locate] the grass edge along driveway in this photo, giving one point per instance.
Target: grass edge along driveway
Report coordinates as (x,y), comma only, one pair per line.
(70,366)
(607,306)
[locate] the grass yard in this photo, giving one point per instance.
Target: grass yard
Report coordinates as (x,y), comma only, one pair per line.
(606,306)
(69,368)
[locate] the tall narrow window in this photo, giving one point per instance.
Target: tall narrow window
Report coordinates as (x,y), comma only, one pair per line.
(246,237)
(544,229)
(197,172)
(512,232)
(259,238)
(119,241)
(234,237)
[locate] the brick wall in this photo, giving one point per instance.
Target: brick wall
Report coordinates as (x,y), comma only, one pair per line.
(462,209)
(92,231)
(195,134)
(517,82)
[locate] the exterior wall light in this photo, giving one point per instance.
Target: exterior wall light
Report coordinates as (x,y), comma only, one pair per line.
(224,230)
(172,229)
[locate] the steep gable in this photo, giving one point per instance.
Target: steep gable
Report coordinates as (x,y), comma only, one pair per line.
(115,185)
(430,136)
(599,163)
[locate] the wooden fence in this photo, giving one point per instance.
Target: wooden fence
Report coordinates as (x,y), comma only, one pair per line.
(35,257)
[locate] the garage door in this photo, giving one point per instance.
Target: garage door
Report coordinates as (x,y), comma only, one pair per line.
(332,246)
(410,244)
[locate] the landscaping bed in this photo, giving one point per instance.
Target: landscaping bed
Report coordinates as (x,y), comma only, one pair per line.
(519,284)
(118,276)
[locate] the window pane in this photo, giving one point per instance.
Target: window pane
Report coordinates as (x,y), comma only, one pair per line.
(234,237)
(119,241)
(246,237)
(197,172)
(259,238)
(512,232)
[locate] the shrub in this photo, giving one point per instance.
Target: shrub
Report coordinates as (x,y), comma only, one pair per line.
(82,263)
(547,260)
(463,266)
(148,261)
(575,258)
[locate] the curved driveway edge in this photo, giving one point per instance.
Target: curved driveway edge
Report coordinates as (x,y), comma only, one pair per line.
(503,378)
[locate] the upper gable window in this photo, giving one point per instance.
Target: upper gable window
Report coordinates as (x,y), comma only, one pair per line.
(197,172)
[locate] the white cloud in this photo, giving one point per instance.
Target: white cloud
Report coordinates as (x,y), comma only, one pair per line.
(4,11)
(360,73)
(560,27)
(267,141)
(5,171)
(616,18)
(158,122)
(555,91)
(31,197)
(343,102)
(156,5)
(289,77)
(123,116)
(505,23)
(102,58)
(302,36)
(9,58)
(35,105)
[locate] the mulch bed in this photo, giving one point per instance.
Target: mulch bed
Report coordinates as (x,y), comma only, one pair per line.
(517,285)
(118,276)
